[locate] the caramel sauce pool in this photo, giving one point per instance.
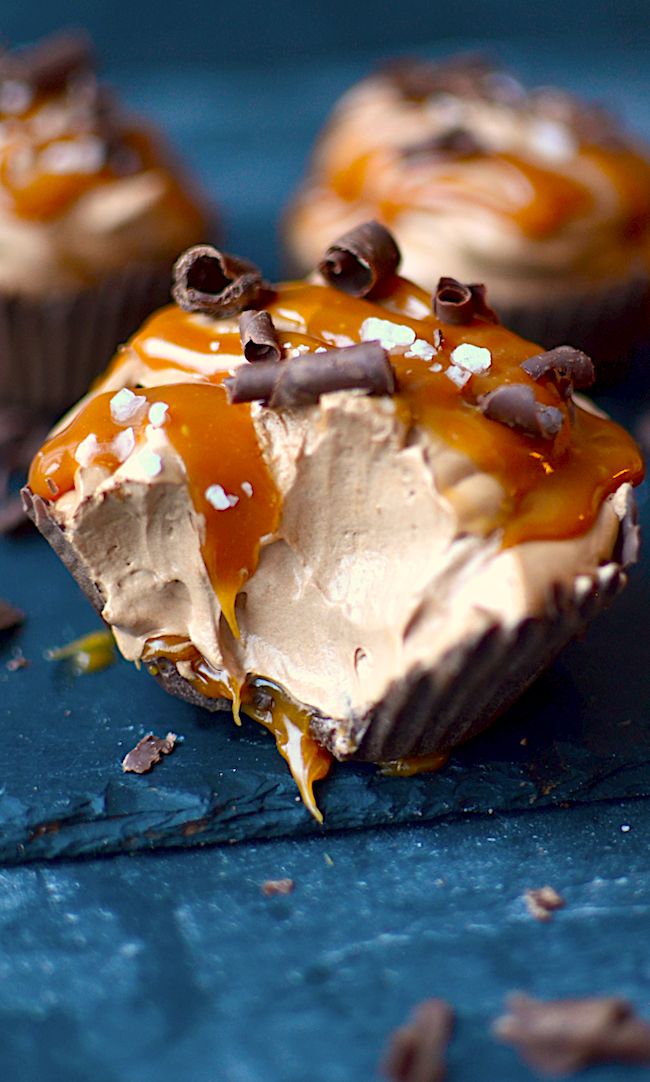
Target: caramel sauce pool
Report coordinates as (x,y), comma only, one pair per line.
(552,489)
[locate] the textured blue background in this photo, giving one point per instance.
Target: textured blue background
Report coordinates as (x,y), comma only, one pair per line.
(157,968)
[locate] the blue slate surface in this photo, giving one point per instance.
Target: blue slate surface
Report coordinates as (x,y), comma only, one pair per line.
(168,966)
(174,967)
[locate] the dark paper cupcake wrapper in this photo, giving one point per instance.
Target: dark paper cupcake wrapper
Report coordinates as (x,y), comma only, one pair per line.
(51,350)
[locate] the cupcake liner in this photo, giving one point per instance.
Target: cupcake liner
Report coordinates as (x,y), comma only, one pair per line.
(428,710)
(606,322)
(51,350)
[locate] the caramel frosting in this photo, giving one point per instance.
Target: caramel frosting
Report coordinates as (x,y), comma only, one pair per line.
(301,559)
(531,192)
(84,189)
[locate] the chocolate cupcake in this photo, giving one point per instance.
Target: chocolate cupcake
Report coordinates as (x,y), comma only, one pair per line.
(364,516)
(92,213)
(536,194)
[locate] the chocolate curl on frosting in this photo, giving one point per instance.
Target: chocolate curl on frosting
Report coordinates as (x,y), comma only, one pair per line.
(359,261)
(455,302)
(48,65)
(301,380)
(570,367)
(258,337)
(207,280)
(515,405)
(455,143)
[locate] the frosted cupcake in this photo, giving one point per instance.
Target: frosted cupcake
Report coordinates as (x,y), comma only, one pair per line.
(534,193)
(362,516)
(92,213)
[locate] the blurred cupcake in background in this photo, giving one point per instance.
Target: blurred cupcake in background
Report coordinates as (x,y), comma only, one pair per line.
(93,210)
(536,194)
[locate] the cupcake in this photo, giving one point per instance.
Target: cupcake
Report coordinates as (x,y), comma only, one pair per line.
(364,519)
(92,213)
(536,194)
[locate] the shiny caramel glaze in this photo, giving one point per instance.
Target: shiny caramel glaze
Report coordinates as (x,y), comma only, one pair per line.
(552,489)
(54,151)
(547,200)
(261,700)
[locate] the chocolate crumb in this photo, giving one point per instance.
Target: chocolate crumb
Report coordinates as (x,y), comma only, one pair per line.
(362,260)
(569,366)
(207,280)
(455,143)
(18,661)
(258,337)
(543,901)
(457,303)
(10,616)
(300,381)
(147,752)
(417,1051)
(270,887)
(515,405)
(563,1036)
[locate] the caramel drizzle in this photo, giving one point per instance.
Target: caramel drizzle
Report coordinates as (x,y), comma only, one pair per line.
(541,201)
(552,489)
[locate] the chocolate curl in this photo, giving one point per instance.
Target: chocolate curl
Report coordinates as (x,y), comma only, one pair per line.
(457,303)
(258,337)
(361,260)
(564,1036)
(207,280)
(515,405)
(301,380)
(456,143)
(570,367)
(48,65)
(417,1051)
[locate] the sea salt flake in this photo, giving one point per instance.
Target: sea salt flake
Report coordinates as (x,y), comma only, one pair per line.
(158,414)
(124,444)
(437,367)
(459,376)
(125,405)
(247,488)
(475,359)
(388,334)
(87,450)
(553,140)
(422,349)
(149,462)
(221,500)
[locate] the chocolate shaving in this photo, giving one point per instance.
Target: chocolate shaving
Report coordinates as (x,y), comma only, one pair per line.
(570,367)
(258,337)
(417,1051)
(362,260)
(563,1036)
(301,380)
(542,902)
(457,303)
(10,616)
(206,280)
(270,887)
(147,752)
(515,405)
(467,75)
(456,143)
(50,64)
